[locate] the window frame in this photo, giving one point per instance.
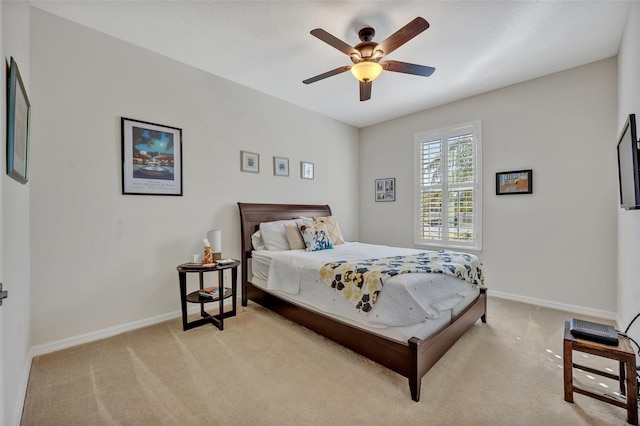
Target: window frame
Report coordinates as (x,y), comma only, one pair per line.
(444,134)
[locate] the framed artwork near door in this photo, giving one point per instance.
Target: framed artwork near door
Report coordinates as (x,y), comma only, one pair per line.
(18,122)
(151,158)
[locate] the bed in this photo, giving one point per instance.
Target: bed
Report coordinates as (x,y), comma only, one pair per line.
(411,358)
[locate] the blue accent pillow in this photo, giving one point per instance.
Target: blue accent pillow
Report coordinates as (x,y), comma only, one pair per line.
(316,236)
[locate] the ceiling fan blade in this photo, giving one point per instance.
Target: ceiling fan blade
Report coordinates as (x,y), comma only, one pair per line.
(404,67)
(403,35)
(334,42)
(327,74)
(365,91)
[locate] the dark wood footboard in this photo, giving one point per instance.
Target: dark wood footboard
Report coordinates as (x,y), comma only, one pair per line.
(411,359)
(431,349)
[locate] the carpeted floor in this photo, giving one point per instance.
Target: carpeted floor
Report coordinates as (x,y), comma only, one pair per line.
(265,370)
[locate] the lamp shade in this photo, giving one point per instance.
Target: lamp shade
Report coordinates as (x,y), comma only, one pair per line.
(366,71)
(215,239)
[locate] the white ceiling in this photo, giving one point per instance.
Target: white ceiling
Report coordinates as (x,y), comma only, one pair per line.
(475,46)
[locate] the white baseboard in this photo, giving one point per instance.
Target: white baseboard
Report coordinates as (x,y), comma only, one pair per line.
(111,331)
(556,305)
(22,391)
(99,334)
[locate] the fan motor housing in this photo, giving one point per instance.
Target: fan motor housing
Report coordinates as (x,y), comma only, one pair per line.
(366,49)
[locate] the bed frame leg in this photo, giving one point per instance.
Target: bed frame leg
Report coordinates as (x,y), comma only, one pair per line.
(483,291)
(415,380)
(245,269)
(414,386)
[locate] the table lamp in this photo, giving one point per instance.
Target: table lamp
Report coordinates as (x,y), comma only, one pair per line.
(215,238)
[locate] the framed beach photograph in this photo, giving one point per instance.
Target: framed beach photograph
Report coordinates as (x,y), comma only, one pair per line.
(515,182)
(249,162)
(280,166)
(386,189)
(151,158)
(306,170)
(18,123)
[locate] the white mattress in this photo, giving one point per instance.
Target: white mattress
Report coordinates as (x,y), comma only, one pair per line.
(409,305)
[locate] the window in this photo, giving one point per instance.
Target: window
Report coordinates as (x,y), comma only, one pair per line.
(448,203)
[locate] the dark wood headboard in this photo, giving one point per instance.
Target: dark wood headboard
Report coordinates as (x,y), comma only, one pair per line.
(252,215)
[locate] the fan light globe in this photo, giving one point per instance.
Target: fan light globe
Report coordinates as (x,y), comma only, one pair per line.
(366,71)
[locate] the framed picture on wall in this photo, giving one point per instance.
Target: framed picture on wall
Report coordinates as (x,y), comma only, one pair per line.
(151,158)
(515,182)
(18,122)
(280,166)
(386,189)
(249,162)
(306,170)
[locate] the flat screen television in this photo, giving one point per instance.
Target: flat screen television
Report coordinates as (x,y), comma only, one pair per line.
(628,173)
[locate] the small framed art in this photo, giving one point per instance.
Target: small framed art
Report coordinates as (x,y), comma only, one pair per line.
(249,162)
(515,182)
(151,158)
(386,189)
(18,122)
(280,166)
(306,170)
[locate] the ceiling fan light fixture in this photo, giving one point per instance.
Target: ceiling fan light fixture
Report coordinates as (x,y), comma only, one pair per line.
(366,56)
(366,71)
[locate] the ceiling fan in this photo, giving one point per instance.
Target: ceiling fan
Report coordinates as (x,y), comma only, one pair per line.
(366,55)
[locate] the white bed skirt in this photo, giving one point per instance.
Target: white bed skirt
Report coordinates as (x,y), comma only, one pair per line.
(400,334)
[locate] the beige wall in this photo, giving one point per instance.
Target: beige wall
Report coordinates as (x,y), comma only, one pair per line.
(14,229)
(556,247)
(629,221)
(102,260)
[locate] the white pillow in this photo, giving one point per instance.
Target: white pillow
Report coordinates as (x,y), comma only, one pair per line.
(274,234)
(256,241)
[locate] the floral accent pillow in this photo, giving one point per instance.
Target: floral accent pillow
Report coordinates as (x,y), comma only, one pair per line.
(315,236)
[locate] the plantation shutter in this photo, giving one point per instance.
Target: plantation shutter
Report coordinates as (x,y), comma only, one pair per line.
(447,211)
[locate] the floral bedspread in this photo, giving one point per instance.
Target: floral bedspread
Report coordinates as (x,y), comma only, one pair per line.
(361,282)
